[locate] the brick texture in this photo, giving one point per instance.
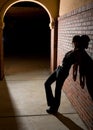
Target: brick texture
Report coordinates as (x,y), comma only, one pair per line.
(79,21)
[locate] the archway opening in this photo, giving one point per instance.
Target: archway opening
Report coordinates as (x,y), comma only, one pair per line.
(26,32)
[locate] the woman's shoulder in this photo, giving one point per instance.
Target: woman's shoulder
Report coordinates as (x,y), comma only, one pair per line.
(74,52)
(69,52)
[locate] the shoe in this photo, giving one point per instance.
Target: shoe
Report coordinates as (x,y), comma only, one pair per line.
(51,111)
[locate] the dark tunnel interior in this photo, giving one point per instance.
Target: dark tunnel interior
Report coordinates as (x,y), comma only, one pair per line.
(26,33)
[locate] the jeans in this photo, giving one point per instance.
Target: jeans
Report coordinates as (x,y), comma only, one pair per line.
(58,76)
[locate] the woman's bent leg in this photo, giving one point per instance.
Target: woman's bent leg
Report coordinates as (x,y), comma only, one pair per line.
(48,90)
(59,84)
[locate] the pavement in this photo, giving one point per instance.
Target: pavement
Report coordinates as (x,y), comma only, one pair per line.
(23,101)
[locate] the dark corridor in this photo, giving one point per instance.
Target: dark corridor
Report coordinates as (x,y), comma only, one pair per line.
(26,32)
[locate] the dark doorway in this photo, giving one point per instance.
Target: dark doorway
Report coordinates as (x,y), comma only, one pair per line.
(26,31)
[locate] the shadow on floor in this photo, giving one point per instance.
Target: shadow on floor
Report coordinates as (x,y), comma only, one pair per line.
(6,108)
(67,122)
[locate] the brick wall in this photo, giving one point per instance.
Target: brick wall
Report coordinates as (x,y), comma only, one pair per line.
(79,21)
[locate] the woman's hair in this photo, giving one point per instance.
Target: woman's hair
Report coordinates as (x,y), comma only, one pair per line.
(76,40)
(81,42)
(84,41)
(85,38)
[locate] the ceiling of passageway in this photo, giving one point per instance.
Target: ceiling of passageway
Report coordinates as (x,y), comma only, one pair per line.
(26,9)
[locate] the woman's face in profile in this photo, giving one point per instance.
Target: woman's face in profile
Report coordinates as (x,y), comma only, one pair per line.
(87,43)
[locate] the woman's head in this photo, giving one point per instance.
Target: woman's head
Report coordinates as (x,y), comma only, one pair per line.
(76,41)
(81,42)
(85,41)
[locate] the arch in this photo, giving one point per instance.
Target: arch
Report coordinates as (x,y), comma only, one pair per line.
(53,26)
(39,3)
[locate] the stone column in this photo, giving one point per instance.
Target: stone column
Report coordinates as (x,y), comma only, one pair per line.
(54,34)
(1,51)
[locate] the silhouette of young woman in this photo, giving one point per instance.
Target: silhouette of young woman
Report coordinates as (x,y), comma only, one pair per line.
(60,74)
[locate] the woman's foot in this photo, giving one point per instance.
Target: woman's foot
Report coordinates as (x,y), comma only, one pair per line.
(51,110)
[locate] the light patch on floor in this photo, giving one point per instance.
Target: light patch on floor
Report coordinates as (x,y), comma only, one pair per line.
(23,101)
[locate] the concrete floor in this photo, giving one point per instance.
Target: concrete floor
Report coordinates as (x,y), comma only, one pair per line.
(23,102)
